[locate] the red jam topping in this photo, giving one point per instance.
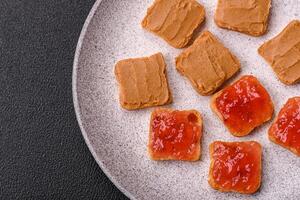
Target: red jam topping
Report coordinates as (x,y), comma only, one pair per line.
(244,105)
(175,135)
(286,129)
(236,166)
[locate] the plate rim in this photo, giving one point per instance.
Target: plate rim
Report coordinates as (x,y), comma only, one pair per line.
(76,102)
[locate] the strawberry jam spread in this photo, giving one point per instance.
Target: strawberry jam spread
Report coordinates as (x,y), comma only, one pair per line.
(175,135)
(235,166)
(244,105)
(286,128)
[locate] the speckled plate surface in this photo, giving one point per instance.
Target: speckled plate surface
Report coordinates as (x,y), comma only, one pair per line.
(118,138)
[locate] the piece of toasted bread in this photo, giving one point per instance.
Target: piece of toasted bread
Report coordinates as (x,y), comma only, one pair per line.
(164,18)
(287,117)
(207,64)
(160,148)
(236,16)
(143,82)
(247,186)
(242,131)
(282,53)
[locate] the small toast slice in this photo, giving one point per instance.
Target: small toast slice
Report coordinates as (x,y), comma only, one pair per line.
(235,166)
(207,64)
(243,105)
(283,54)
(245,16)
(285,131)
(174,20)
(143,82)
(175,135)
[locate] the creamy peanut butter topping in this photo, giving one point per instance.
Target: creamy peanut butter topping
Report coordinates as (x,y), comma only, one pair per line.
(207,64)
(283,53)
(247,16)
(143,82)
(174,20)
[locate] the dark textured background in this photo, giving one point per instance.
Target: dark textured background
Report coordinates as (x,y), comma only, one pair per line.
(42,152)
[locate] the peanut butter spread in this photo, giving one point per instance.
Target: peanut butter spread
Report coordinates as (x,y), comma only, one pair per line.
(246,16)
(174,20)
(143,82)
(207,64)
(283,53)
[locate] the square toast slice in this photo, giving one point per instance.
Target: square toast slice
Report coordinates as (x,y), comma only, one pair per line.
(235,166)
(175,21)
(283,53)
(143,82)
(175,135)
(243,105)
(285,131)
(246,16)
(207,64)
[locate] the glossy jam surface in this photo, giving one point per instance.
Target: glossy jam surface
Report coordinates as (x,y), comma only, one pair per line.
(244,105)
(286,129)
(175,135)
(236,166)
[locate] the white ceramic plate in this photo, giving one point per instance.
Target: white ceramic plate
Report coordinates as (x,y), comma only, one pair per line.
(118,138)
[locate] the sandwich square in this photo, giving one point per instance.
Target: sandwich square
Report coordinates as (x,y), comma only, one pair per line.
(207,64)
(175,21)
(235,166)
(175,135)
(285,130)
(246,16)
(283,53)
(143,82)
(243,105)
